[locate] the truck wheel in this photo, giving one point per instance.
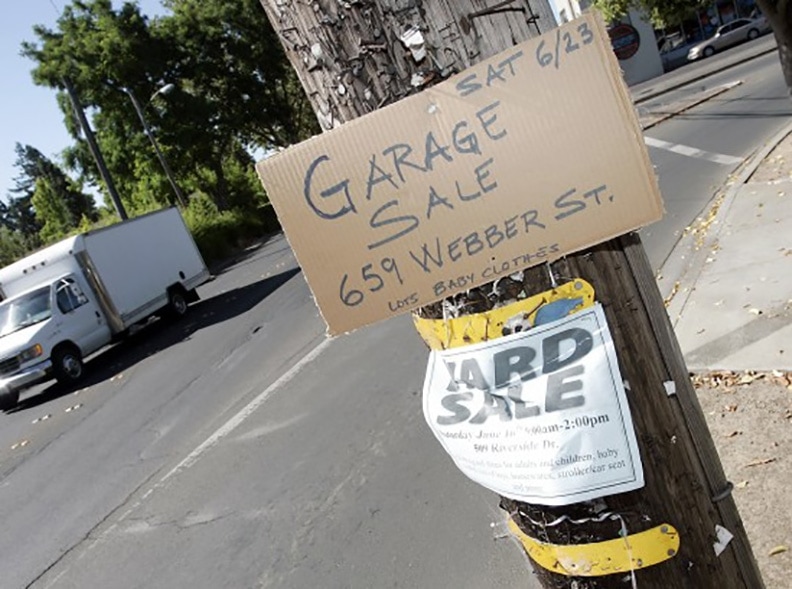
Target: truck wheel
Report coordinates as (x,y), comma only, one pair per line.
(9,401)
(67,364)
(177,304)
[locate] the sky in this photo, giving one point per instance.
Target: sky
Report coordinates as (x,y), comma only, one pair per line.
(29,114)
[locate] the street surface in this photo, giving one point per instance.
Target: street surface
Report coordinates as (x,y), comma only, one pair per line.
(733,124)
(240,449)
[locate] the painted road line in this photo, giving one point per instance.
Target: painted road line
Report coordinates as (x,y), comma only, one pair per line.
(189,460)
(686,150)
(243,414)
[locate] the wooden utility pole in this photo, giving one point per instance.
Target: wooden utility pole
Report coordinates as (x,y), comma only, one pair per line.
(95,151)
(354,57)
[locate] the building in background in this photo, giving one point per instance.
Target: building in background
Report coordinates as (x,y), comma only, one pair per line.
(645,52)
(633,39)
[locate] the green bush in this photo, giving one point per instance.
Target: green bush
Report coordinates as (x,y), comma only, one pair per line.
(269,219)
(219,234)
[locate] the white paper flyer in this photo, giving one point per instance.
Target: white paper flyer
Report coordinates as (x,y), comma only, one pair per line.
(539,416)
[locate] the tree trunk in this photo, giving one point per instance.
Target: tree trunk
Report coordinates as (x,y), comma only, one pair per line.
(352,58)
(779,15)
(784,40)
(221,184)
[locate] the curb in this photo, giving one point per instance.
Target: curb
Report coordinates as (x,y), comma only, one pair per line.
(697,254)
(703,75)
(757,158)
(709,95)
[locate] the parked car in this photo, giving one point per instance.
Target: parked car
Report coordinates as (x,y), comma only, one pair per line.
(728,35)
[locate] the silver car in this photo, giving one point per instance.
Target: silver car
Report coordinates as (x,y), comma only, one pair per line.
(737,31)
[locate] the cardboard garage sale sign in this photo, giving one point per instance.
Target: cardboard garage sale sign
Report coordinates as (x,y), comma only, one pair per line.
(539,416)
(518,160)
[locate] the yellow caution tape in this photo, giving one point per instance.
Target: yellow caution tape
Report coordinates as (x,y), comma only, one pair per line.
(442,334)
(633,552)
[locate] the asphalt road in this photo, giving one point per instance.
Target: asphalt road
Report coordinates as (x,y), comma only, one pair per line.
(733,124)
(240,449)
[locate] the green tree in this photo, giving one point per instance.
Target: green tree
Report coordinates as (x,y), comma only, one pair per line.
(35,166)
(233,91)
(18,216)
(12,246)
(45,201)
(663,13)
(51,212)
(102,51)
(230,57)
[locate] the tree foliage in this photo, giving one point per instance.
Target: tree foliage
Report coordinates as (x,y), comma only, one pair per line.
(18,216)
(234,94)
(663,13)
(36,171)
(44,205)
(12,245)
(230,57)
(51,211)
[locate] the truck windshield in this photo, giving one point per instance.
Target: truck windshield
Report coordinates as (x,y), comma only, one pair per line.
(30,308)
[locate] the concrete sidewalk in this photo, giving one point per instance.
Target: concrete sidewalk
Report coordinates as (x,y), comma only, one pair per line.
(728,290)
(732,307)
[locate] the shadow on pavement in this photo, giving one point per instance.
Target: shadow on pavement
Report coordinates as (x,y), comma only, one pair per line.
(245,256)
(160,334)
(732,115)
(714,353)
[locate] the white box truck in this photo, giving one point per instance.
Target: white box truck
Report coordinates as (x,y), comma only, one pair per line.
(70,299)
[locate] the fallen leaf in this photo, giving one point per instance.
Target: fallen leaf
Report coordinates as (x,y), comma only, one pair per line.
(734,433)
(741,484)
(749,377)
(730,408)
(760,462)
(777,550)
(754,311)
